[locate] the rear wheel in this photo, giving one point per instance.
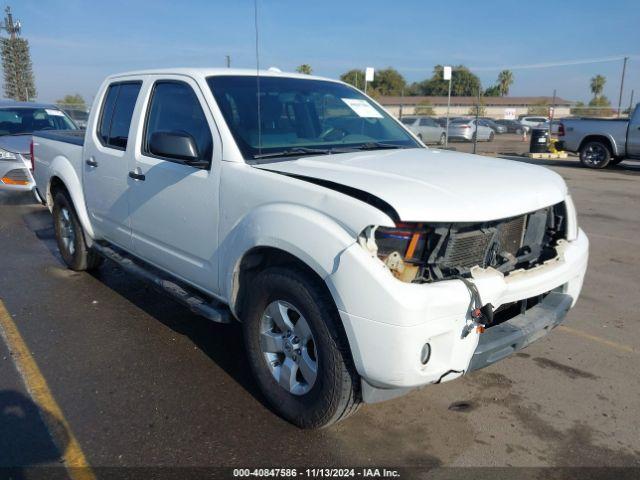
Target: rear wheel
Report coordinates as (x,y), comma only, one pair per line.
(595,154)
(297,351)
(70,236)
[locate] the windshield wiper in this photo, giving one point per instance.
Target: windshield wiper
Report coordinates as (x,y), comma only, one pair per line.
(294,152)
(377,146)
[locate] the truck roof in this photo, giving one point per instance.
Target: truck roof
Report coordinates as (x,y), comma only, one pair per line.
(210,72)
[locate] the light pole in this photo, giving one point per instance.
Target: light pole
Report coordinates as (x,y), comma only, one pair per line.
(446,74)
(624,69)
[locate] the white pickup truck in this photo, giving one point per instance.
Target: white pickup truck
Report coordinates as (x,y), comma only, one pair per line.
(361,263)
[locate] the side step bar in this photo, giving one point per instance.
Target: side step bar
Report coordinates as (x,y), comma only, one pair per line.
(210,309)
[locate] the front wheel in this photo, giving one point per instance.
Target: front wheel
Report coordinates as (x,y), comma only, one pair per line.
(595,154)
(297,349)
(70,235)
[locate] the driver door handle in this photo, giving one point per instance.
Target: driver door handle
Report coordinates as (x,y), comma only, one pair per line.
(91,162)
(137,174)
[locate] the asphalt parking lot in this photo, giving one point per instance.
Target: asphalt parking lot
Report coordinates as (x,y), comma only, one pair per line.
(140,381)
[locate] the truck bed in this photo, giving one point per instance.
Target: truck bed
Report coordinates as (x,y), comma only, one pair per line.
(68,136)
(54,150)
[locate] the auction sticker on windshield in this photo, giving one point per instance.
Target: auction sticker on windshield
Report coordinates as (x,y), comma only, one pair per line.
(362,108)
(55,113)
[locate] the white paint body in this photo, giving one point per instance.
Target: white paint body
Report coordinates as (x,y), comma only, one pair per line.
(198,224)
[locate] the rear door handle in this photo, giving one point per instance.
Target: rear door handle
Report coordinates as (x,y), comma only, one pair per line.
(137,175)
(91,162)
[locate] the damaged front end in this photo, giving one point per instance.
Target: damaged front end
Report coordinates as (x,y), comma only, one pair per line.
(429,252)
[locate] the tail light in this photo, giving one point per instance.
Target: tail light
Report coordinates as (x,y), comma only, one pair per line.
(33,158)
(561,130)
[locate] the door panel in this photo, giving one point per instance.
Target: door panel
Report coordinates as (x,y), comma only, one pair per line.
(174,210)
(106,162)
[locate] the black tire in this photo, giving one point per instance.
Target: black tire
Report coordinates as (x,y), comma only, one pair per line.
(335,392)
(595,154)
(70,235)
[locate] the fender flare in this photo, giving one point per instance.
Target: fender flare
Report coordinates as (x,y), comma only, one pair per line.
(62,169)
(314,238)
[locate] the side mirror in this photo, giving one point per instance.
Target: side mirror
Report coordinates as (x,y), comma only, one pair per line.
(176,145)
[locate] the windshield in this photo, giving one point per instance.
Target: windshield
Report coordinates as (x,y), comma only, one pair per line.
(298,114)
(19,120)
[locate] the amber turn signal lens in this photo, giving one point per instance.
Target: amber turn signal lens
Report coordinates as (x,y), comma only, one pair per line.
(10,181)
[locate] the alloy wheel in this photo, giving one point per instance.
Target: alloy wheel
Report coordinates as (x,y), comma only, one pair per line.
(594,154)
(288,347)
(67,231)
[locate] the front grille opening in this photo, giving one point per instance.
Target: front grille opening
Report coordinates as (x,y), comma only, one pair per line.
(506,312)
(520,242)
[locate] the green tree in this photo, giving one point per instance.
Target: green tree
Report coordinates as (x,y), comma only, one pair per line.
(492,91)
(388,81)
(505,80)
(597,85)
(19,83)
(463,83)
(73,101)
(424,108)
(304,68)
(354,77)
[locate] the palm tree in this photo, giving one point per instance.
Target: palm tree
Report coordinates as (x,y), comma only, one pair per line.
(597,85)
(304,68)
(505,80)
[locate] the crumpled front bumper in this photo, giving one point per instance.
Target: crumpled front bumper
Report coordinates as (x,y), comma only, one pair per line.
(388,322)
(502,340)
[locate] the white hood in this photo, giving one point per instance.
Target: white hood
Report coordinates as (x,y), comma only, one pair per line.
(436,185)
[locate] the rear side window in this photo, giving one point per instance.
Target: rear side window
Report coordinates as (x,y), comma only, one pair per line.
(425,122)
(175,108)
(117,110)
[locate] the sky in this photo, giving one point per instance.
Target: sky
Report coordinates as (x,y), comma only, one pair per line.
(75,43)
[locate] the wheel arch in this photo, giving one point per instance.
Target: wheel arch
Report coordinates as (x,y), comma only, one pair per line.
(604,139)
(63,176)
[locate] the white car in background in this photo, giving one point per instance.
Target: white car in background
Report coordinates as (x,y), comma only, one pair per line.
(425,128)
(18,120)
(465,129)
(533,120)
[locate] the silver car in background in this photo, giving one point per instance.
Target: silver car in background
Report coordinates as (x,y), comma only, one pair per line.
(425,128)
(18,120)
(465,129)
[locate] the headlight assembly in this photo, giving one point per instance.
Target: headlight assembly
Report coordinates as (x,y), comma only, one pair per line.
(4,155)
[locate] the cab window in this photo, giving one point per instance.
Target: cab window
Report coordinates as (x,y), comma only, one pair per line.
(117,111)
(175,108)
